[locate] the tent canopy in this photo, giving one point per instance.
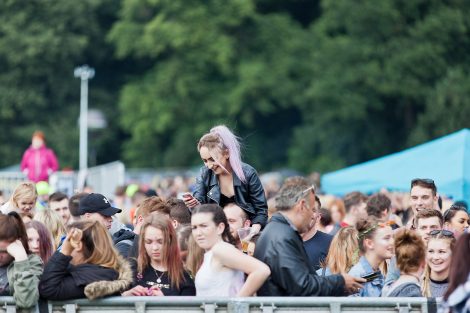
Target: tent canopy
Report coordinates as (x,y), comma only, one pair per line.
(446,160)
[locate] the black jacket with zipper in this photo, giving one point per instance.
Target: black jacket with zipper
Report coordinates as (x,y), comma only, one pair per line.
(281,248)
(249,195)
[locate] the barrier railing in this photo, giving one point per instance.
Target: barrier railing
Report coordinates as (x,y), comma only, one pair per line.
(9,181)
(105,178)
(102,179)
(236,305)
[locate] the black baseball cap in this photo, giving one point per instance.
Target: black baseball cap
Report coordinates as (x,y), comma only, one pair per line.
(97,203)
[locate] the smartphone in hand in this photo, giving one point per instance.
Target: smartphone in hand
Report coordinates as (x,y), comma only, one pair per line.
(370,277)
(187,196)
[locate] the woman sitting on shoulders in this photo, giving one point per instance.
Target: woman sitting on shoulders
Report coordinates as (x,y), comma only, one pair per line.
(226,179)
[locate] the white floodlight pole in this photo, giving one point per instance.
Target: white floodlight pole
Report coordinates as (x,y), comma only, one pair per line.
(85,73)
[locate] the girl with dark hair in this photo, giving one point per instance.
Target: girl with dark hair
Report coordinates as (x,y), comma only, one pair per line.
(376,244)
(225,179)
(457,296)
(223,268)
(456,219)
(325,224)
(87,265)
(159,270)
(20,269)
(40,240)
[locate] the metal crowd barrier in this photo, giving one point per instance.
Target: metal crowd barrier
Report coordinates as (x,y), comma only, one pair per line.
(102,179)
(105,178)
(235,305)
(9,181)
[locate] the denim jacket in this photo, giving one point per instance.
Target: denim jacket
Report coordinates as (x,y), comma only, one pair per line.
(324,271)
(369,289)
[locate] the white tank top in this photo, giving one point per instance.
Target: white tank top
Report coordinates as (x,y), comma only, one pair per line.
(224,283)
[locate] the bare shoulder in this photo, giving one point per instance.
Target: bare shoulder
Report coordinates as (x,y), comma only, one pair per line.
(223,248)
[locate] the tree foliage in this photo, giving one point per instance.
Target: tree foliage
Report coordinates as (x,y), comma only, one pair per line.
(378,69)
(212,62)
(313,85)
(40,44)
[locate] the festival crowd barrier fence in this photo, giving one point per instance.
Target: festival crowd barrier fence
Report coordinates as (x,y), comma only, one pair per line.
(234,305)
(102,179)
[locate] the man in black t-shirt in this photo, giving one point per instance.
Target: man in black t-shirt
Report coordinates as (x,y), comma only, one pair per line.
(316,243)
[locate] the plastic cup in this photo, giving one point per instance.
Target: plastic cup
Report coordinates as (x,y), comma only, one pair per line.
(244,235)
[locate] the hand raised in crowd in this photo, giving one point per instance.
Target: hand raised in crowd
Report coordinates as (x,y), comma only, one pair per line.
(72,241)
(255,229)
(352,284)
(17,251)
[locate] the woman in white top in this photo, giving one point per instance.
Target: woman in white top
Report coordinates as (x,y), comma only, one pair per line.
(223,268)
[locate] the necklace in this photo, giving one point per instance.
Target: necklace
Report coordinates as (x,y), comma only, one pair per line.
(159,277)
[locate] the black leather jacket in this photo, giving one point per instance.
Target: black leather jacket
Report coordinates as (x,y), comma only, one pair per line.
(281,248)
(249,196)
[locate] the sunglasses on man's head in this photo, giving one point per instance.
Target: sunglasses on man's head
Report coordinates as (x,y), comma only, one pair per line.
(304,192)
(426,181)
(312,188)
(444,232)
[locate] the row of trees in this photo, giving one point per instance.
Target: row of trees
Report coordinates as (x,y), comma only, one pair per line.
(312,85)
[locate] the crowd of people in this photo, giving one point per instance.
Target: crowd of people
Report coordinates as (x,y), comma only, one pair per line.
(223,239)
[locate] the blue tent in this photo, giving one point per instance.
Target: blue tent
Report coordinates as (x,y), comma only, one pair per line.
(446,160)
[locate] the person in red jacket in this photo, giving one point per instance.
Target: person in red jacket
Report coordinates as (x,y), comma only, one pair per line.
(39,161)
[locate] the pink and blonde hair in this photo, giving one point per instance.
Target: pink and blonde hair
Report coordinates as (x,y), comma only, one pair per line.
(221,138)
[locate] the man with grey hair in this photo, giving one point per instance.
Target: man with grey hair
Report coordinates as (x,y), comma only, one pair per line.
(281,248)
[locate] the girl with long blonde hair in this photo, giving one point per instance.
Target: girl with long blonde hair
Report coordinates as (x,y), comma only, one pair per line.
(343,252)
(438,258)
(53,222)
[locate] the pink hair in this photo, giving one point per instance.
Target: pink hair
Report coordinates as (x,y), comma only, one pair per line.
(225,139)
